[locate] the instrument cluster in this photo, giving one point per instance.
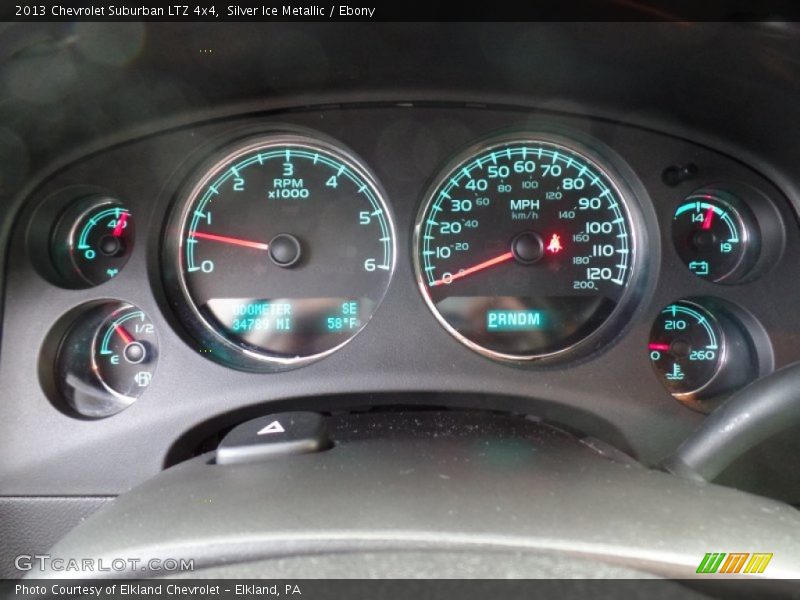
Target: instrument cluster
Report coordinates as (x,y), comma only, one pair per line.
(531,246)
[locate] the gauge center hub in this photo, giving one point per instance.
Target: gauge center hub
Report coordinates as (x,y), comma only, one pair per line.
(527,247)
(134,353)
(285,250)
(680,348)
(704,240)
(110,245)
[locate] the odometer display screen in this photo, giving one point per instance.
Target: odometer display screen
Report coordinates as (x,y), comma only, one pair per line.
(285,248)
(524,248)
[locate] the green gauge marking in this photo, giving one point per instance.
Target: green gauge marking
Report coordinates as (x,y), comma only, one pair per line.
(235,178)
(112,328)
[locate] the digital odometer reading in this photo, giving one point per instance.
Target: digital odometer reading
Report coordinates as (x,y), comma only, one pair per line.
(286,248)
(524,248)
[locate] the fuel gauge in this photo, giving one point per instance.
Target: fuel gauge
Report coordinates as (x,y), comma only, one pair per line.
(106,358)
(124,352)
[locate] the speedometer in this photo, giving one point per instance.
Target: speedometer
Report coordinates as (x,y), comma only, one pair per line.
(526,247)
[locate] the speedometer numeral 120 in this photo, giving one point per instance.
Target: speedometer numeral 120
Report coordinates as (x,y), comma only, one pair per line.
(525,247)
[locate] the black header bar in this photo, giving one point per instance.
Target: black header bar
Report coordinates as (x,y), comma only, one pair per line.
(399,10)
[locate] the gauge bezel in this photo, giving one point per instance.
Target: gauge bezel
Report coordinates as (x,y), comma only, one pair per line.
(68,362)
(622,180)
(198,327)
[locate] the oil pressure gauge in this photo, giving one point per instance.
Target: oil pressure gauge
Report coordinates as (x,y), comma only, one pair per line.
(92,241)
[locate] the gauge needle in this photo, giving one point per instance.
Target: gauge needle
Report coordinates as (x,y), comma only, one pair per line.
(229,240)
(709,218)
(126,337)
(120,225)
(662,347)
(479,267)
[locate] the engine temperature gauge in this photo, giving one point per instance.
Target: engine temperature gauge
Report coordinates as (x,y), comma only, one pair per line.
(699,352)
(687,347)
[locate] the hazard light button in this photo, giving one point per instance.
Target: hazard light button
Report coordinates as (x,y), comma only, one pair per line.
(274,435)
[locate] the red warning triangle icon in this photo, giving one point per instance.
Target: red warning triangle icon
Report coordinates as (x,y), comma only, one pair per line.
(274,427)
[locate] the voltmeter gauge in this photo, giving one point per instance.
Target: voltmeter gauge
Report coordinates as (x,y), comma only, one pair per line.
(106,359)
(699,352)
(92,241)
(715,236)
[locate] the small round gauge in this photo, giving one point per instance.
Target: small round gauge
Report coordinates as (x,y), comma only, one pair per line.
(715,236)
(279,251)
(687,347)
(106,358)
(699,350)
(124,352)
(92,241)
(526,246)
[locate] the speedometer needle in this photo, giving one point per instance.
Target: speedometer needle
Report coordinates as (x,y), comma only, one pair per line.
(479,267)
(229,240)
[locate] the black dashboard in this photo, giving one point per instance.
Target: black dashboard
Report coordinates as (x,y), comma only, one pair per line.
(591,224)
(401,349)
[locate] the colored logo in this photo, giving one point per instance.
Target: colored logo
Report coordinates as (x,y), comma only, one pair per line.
(734,562)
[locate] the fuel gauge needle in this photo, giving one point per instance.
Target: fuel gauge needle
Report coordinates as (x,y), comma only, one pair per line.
(126,337)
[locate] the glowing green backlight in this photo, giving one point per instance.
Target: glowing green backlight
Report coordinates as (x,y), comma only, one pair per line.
(262,316)
(347,320)
(514,320)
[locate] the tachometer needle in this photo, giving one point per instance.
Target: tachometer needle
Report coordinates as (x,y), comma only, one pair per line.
(126,337)
(479,267)
(229,240)
(708,218)
(120,225)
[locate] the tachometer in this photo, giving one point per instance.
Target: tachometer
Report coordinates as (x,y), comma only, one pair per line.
(525,247)
(280,252)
